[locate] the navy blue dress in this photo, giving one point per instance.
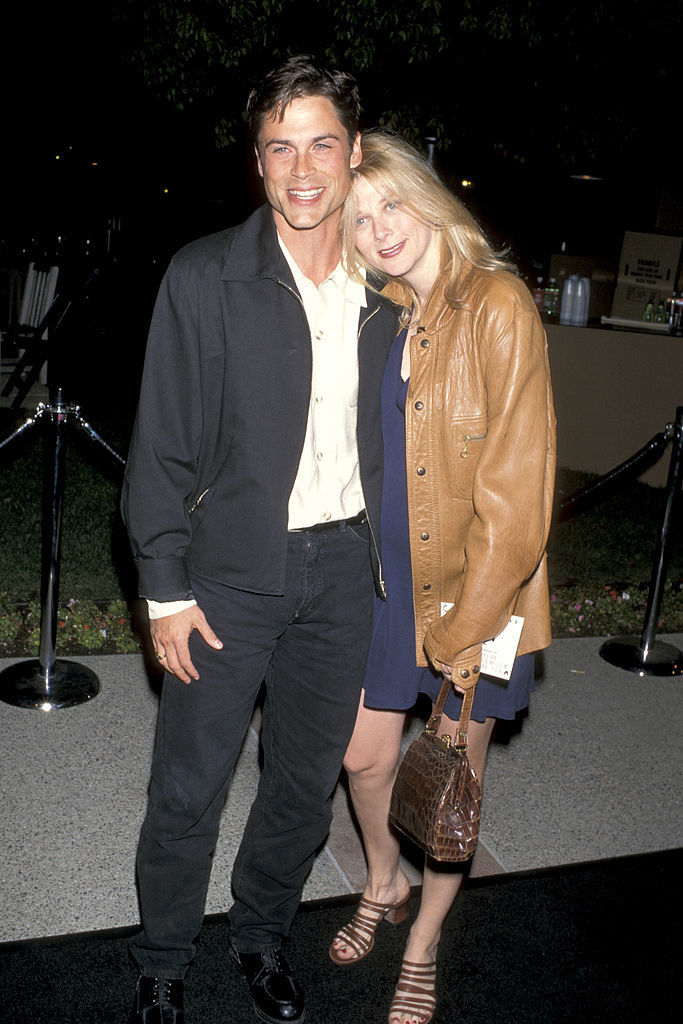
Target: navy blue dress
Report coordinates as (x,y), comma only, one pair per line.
(392,678)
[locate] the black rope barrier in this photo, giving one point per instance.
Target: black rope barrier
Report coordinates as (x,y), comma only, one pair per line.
(630,468)
(645,654)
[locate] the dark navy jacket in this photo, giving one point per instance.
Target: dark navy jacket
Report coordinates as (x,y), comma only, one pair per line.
(222,416)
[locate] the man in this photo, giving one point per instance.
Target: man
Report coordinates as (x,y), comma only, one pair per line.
(252,503)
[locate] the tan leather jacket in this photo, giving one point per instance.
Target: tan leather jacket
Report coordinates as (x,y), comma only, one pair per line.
(480,455)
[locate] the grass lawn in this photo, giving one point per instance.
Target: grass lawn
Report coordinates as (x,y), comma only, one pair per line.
(600,560)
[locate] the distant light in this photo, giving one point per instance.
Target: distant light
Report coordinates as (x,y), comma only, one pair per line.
(586,177)
(46,706)
(466,183)
(58,156)
(165,191)
(94,163)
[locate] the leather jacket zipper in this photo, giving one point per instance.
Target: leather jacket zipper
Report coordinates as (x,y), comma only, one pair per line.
(467,438)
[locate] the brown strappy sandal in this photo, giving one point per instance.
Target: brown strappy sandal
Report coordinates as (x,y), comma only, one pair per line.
(415,992)
(359,933)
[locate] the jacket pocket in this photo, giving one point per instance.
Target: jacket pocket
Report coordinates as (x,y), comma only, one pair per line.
(466,445)
(196,502)
(466,439)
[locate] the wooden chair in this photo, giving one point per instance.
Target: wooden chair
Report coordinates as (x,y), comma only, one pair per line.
(31,332)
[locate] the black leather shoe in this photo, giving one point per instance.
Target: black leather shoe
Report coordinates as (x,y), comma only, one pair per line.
(158,1001)
(277,996)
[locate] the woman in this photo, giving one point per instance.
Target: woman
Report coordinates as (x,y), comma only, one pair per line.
(469,456)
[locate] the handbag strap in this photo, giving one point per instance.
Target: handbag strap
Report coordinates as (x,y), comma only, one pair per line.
(464,720)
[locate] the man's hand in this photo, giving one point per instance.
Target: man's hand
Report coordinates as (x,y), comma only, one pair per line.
(170,636)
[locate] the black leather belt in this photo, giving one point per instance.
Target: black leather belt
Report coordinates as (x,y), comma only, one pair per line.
(334,524)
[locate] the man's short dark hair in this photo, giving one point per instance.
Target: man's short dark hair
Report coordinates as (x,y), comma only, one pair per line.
(297,78)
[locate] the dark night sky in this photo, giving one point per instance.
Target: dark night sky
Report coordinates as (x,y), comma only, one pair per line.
(73,96)
(70,94)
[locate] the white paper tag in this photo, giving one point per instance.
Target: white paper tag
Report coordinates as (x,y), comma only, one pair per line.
(498,655)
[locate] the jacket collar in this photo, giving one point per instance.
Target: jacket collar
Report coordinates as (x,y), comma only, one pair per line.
(255,252)
(439,311)
(443,302)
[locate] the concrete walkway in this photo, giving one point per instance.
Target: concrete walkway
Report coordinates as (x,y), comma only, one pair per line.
(593,772)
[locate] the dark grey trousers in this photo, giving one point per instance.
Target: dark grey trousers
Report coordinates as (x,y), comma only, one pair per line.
(310,647)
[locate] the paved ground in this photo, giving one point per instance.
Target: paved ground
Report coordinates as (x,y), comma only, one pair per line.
(594,772)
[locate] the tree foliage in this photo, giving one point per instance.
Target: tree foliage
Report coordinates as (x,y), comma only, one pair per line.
(515,77)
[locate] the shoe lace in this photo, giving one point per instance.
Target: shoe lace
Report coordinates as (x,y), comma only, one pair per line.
(274,960)
(162,990)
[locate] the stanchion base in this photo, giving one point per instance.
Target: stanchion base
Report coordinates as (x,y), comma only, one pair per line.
(25,685)
(627,653)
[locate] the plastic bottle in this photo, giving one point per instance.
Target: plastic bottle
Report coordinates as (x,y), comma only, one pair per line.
(678,313)
(671,309)
(660,312)
(649,313)
(551,300)
(539,294)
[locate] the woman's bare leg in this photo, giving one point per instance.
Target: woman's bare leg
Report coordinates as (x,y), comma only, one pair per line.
(371,762)
(441,885)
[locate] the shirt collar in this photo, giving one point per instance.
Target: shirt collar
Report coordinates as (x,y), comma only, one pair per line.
(351,291)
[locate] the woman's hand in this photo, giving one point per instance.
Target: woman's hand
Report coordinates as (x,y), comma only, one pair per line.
(447,672)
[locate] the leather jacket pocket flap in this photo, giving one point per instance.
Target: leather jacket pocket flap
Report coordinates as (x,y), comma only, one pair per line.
(467,444)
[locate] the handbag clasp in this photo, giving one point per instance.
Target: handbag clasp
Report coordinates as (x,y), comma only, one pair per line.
(444,741)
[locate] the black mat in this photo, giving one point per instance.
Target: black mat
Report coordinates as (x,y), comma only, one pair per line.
(590,943)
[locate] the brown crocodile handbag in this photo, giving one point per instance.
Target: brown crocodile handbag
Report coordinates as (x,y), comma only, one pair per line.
(436,799)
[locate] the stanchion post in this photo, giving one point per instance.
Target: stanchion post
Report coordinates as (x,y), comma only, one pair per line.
(649,656)
(47,683)
(53,504)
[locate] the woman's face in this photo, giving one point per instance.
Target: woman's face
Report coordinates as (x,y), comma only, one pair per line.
(394,241)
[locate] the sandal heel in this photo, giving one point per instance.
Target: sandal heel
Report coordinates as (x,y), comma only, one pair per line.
(397,915)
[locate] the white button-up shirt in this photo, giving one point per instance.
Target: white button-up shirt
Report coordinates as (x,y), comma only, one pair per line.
(327,484)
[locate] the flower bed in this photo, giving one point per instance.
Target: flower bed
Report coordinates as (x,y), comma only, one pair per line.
(613,610)
(83,627)
(104,627)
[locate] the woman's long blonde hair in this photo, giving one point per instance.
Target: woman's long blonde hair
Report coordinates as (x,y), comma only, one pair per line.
(398,172)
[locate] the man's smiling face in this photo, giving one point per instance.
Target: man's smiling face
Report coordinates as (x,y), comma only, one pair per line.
(305,161)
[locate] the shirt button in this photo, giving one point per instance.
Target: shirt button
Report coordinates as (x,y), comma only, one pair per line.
(319,456)
(325,516)
(421,471)
(318,399)
(424,536)
(318,335)
(425,343)
(419,405)
(427,586)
